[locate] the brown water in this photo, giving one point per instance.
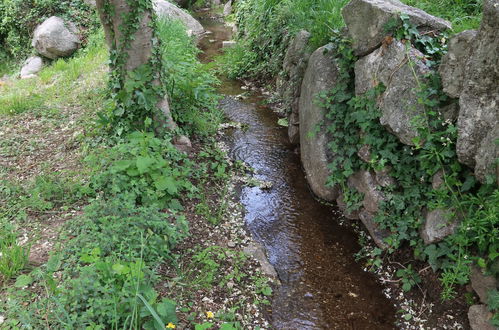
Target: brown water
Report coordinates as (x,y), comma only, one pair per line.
(322,285)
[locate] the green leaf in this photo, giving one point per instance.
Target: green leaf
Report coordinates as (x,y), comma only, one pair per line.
(121,165)
(283,122)
(203,326)
(167,183)
(152,311)
(166,309)
(23,280)
(144,163)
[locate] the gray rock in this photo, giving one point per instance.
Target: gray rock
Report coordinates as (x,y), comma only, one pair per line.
(365,183)
(353,215)
(55,38)
(257,251)
(321,75)
(31,66)
(228,8)
(437,180)
(164,8)
(482,283)
(229,44)
(479,318)
(383,177)
(399,103)
(290,80)
(439,224)
(366,20)
(487,155)
(378,234)
(364,153)
(479,101)
(90,3)
(452,69)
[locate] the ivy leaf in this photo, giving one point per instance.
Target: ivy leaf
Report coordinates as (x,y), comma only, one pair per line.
(121,165)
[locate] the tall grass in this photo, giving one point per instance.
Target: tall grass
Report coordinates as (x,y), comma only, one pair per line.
(267,26)
(58,85)
(463,14)
(190,84)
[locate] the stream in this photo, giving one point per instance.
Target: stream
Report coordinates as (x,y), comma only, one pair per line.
(322,286)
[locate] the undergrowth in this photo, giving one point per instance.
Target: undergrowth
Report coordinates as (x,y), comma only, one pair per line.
(266,28)
(126,203)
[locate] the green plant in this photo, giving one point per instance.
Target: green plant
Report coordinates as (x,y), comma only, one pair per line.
(118,229)
(144,170)
(13,256)
(493,305)
(190,84)
(409,277)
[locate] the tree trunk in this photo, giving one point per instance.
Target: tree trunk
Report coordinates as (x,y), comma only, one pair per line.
(129,27)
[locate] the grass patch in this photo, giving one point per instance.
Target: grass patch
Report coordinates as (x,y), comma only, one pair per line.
(58,85)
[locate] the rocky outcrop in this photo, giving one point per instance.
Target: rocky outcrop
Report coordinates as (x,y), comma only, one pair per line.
(399,103)
(452,69)
(164,8)
(31,67)
(228,8)
(366,21)
(321,75)
(439,224)
(479,318)
(479,101)
(482,283)
(290,80)
(56,38)
(365,183)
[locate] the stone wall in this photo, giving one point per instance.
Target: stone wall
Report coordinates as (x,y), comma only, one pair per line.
(470,76)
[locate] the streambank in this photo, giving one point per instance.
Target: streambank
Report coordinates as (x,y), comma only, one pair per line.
(322,286)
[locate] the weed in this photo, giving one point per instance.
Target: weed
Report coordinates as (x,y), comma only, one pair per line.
(13,256)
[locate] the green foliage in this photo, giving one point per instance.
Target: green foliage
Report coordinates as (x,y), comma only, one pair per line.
(125,231)
(59,85)
(463,14)
(44,193)
(493,305)
(409,277)
(14,257)
(19,18)
(266,28)
(190,84)
(353,123)
(144,170)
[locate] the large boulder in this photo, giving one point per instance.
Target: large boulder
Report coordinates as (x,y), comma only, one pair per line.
(479,317)
(439,224)
(164,8)
(482,283)
(452,69)
(479,100)
(365,182)
(31,67)
(366,21)
(290,80)
(399,103)
(321,75)
(56,38)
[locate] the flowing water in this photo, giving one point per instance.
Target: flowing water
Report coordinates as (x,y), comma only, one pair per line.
(322,285)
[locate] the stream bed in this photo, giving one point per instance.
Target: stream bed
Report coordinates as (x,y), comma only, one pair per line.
(322,286)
